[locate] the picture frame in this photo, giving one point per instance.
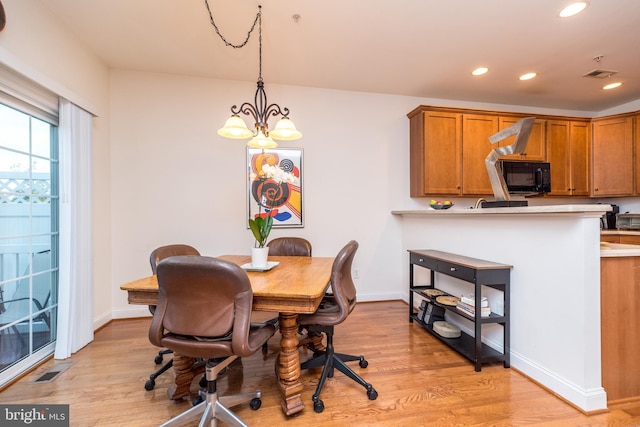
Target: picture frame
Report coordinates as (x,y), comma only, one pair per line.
(264,194)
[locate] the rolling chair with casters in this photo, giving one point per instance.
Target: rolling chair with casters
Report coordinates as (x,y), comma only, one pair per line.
(156,256)
(204,312)
(333,310)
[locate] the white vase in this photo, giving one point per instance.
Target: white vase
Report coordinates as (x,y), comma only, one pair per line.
(259,257)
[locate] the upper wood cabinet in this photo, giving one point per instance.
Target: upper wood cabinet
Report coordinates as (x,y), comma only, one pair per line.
(436,153)
(536,147)
(636,152)
(612,149)
(476,130)
(589,157)
(568,145)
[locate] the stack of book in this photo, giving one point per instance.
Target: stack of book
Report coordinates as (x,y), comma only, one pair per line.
(467,305)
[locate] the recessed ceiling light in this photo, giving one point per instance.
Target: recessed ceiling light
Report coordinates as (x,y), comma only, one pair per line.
(479,71)
(528,76)
(612,86)
(573,9)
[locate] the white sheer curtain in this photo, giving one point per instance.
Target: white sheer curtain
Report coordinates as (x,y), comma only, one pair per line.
(75,297)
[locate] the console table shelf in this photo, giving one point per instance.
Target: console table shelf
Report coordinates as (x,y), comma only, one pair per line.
(479,273)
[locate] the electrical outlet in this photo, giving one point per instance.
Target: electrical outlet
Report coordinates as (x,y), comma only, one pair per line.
(356,273)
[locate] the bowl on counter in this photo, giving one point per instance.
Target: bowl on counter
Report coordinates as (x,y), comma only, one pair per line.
(440,206)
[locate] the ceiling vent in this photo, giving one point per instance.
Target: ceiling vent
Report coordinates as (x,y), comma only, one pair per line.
(600,74)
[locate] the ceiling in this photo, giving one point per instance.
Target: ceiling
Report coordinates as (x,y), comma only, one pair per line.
(421,48)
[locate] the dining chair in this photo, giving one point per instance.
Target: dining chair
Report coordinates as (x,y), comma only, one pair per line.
(333,310)
(204,311)
(156,256)
(289,246)
(31,295)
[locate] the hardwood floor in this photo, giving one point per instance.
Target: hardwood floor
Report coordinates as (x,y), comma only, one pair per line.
(420,382)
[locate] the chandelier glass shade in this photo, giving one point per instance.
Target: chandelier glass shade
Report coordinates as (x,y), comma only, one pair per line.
(235,128)
(260,111)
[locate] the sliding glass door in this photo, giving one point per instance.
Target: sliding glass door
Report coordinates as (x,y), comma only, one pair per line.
(28,239)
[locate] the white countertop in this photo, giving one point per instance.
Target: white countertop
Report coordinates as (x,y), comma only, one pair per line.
(618,250)
(590,210)
(620,232)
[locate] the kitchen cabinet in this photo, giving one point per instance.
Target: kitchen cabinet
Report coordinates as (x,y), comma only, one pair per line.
(568,144)
(620,306)
(636,148)
(612,159)
(623,236)
(629,239)
(536,147)
(476,130)
(597,157)
(479,273)
(435,153)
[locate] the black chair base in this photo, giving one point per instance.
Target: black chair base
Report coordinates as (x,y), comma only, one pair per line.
(151,382)
(215,407)
(330,360)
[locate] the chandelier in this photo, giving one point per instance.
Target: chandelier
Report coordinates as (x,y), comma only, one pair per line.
(235,127)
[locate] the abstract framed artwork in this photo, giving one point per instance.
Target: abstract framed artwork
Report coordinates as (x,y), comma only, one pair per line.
(274,185)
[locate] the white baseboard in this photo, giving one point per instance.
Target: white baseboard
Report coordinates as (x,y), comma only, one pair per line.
(588,400)
(131,312)
(386,296)
(102,320)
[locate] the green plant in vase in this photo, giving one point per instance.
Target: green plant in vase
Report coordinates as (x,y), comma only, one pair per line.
(261,224)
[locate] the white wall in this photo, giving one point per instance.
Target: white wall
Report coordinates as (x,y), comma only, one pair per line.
(176,180)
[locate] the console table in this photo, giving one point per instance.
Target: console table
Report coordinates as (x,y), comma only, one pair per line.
(478,272)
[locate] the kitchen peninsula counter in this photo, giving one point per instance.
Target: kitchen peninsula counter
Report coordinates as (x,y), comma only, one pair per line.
(555,252)
(597,210)
(618,250)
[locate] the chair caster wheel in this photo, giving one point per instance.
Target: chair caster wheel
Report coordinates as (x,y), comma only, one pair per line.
(363,363)
(158,359)
(197,400)
(318,406)
(372,394)
(255,403)
(203,382)
(149,385)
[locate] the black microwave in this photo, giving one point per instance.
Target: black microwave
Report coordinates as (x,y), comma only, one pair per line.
(526,177)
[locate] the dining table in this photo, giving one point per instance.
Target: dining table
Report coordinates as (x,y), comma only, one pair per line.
(289,286)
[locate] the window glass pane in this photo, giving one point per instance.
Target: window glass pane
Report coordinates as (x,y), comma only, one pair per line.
(10,161)
(41,181)
(40,138)
(15,129)
(14,253)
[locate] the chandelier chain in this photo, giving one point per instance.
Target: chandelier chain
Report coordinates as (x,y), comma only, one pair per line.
(258,19)
(260,110)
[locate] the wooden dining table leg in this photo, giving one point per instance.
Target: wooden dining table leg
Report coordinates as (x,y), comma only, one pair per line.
(185,369)
(289,365)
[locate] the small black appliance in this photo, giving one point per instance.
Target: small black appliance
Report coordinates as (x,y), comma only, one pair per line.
(609,218)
